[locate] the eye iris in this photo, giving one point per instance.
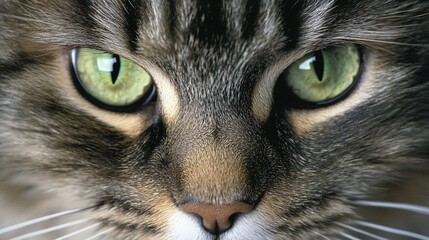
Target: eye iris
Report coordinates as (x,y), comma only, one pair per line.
(109,78)
(323,76)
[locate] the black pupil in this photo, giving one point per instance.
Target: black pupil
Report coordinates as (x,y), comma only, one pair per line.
(116,67)
(318,64)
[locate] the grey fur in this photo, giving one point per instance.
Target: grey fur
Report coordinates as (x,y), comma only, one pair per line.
(303,183)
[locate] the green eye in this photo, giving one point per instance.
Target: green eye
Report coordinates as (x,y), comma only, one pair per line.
(324,76)
(111,80)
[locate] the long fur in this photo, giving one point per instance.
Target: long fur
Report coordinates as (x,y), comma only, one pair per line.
(214,54)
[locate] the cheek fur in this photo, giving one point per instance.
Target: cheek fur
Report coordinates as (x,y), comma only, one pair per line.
(219,133)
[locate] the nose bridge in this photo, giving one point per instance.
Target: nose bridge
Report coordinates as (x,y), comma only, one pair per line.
(213,172)
(210,149)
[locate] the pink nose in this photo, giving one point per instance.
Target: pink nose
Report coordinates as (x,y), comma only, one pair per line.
(217,218)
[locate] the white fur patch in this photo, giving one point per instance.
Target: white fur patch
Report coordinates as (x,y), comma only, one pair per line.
(249,227)
(182,226)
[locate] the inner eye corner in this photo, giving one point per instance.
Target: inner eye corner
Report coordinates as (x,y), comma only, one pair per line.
(320,79)
(110,81)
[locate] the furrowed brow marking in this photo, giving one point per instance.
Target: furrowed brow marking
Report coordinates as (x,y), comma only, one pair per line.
(85,11)
(291,21)
(133,16)
(209,24)
(251,18)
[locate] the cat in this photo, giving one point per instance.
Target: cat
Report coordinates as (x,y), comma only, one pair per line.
(241,119)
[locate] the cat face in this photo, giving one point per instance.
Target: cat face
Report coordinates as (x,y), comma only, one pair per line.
(218,141)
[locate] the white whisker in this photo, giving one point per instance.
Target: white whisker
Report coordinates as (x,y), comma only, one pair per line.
(403,206)
(78,231)
(392,230)
(100,234)
(51,229)
(321,235)
(361,231)
(348,236)
(41,219)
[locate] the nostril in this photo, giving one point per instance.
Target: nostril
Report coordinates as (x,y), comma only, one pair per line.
(217,218)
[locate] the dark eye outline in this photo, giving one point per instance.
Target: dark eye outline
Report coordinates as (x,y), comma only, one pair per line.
(292,101)
(149,98)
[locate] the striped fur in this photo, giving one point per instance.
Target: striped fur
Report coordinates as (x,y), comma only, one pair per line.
(220,131)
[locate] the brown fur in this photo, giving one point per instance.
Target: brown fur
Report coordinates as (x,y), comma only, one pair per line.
(222,128)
